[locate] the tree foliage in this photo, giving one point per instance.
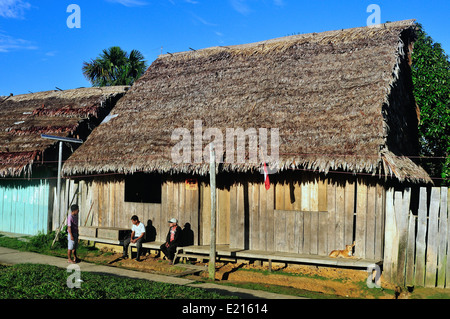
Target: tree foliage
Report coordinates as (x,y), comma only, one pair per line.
(431,78)
(115,66)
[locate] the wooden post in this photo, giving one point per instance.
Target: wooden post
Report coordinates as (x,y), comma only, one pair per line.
(212,247)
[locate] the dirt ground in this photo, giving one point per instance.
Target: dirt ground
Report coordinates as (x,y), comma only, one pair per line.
(312,280)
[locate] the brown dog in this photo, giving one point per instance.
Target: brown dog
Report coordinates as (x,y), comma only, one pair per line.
(346,253)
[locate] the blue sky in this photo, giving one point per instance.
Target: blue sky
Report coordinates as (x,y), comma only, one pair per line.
(39,52)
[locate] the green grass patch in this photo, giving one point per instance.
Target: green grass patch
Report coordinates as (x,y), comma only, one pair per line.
(42,243)
(30,281)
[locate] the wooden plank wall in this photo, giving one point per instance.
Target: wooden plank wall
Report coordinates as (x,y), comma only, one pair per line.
(326,214)
(102,203)
(223,214)
(417,243)
(331,216)
(24,206)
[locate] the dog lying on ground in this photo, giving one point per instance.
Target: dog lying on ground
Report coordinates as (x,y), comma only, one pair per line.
(346,253)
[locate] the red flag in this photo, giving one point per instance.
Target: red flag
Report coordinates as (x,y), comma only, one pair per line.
(266,177)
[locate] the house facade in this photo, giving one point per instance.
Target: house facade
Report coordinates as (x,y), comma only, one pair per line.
(341,104)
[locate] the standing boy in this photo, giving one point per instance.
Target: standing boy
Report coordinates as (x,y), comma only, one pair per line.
(72,236)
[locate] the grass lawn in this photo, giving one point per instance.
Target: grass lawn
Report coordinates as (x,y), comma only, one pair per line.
(30,281)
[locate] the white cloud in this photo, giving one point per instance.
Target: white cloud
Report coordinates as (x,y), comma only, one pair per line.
(243,6)
(240,6)
(8,44)
(51,53)
(203,21)
(129,3)
(13,8)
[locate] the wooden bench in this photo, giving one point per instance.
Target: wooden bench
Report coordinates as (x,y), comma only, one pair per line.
(236,253)
(116,236)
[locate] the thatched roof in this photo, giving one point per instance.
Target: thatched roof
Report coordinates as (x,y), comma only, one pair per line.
(23,118)
(329,94)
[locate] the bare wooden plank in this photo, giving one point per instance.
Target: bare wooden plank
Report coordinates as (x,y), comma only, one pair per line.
(206,212)
(442,238)
(432,243)
(270,220)
(410,251)
(361,216)
(370,221)
(279,196)
(263,216)
(447,272)
(349,213)
(182,216)
(290,232)
(331,207)
(323,233)
(419,276)
(188,203)
(174,207)
(288,200)
(100,197)
(233,216)
(225,217)
(253,210)
(240,202)
(379,216)
(306,196)
(398,202)
(306,232)
(314,191)
(280,230)
(389,235)
(340,217)
(402,230)
(323,196)
(314,235)
(298,196)
(299,232)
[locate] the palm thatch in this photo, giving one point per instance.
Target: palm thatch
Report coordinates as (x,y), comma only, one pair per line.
(23,118)
(341,100)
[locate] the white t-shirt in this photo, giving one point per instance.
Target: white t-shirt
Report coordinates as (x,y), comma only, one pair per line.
(138,229)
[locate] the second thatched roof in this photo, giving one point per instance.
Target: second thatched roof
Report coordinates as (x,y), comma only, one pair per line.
(341,100)
(23,118)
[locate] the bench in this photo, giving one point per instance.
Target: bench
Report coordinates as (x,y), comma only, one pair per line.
(236,253)
(116,236)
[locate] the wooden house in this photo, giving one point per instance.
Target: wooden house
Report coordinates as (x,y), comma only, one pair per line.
(347,125)
(28,163)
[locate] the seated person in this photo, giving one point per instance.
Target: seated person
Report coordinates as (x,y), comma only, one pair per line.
(137,236)
(173,240)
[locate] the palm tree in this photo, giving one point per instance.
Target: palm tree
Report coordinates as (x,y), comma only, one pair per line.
(115,66)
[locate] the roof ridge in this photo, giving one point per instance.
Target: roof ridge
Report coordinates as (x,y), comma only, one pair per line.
(291,38)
